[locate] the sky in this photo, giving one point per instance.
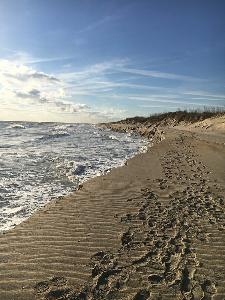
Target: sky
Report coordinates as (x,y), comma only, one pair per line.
(97,60)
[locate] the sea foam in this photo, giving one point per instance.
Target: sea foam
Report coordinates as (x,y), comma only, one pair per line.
(42,161)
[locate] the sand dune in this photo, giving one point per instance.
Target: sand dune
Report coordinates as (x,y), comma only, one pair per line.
(153,229)
(212,124)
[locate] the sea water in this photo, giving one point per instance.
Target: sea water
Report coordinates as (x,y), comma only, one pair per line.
(42,161)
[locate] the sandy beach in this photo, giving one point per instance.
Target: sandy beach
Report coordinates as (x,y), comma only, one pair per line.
(112,150)
(152,229)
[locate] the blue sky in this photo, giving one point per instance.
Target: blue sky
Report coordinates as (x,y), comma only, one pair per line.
(91,61)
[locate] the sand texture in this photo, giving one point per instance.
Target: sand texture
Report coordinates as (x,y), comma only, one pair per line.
(216,124)
(153,229)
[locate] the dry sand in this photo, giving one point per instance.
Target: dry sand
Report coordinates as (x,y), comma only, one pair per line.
(213,125)
(153,229)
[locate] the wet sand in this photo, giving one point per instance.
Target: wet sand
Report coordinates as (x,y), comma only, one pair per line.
(153,229)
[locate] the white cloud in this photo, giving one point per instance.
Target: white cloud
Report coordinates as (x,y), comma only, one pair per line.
(24,89)
(99,23)
(95,71)
(26,93)
(166,99)
(204,95)
(156,74)
(22,57)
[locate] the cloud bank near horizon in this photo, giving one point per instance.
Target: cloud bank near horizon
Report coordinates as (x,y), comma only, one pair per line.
(29,94)
(94,61)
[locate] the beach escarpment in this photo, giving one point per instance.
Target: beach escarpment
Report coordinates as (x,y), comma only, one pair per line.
(148,131)
(153,127)
(153,229)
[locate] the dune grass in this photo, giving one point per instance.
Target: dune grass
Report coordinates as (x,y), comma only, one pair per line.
(189,116)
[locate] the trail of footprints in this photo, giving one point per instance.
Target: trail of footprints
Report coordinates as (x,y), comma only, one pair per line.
(157,258)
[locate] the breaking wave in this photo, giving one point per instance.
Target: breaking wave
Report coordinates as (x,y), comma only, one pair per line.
(43,161)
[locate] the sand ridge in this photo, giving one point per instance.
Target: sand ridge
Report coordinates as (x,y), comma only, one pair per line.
(153,229)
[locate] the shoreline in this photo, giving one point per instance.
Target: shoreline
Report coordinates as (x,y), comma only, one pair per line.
(80,184)
(115,237)
(10,218)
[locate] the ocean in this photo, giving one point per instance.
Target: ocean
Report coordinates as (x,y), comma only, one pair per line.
(42,161)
